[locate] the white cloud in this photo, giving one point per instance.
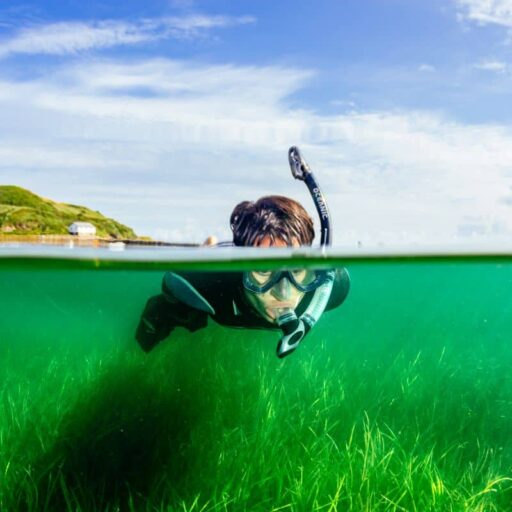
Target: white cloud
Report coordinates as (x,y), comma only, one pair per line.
(485,12)
(71,37)
(169,148)
(426,68)
(492,65)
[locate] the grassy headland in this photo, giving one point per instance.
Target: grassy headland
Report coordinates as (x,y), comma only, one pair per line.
(25,213)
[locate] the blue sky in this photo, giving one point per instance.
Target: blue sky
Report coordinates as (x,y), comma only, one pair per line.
(165,114)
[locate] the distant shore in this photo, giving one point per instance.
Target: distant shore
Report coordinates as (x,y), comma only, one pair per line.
(84,241)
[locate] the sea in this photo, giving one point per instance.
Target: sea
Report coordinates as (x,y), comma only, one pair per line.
(400,399)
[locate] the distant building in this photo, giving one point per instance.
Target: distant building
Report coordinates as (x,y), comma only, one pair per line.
(82,229)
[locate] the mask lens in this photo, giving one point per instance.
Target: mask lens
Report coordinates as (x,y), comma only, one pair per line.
(304,277)
(260,278)
(307,280)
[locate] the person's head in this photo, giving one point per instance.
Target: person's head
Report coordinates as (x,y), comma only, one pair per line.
(272,221)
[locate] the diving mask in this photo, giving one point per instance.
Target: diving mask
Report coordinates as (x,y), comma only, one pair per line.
(305,280)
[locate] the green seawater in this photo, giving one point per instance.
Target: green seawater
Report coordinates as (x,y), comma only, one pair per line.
(400,399)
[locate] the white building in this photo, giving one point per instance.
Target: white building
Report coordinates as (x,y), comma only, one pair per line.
(82,229)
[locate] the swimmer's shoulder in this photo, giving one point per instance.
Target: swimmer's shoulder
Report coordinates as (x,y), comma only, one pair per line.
(340,289)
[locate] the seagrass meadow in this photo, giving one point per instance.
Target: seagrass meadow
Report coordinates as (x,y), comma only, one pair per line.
(399,400)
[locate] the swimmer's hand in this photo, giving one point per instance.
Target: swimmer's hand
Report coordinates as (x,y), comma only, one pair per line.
(154,325)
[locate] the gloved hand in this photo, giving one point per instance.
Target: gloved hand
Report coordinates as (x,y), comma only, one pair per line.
(155,323)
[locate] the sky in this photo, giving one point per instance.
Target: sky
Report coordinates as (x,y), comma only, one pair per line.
(165,114)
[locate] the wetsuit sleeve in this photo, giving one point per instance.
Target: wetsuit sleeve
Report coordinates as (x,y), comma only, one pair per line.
(161,315)
(340,289)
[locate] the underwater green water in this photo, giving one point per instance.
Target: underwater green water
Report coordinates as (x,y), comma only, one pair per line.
(400,399)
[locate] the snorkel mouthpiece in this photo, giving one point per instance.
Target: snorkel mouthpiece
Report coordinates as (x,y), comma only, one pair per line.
(294,329)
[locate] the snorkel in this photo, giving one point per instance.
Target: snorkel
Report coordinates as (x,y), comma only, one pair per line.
(294,328)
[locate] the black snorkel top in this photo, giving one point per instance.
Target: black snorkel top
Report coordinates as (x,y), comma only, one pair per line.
(294,329)
(301,171)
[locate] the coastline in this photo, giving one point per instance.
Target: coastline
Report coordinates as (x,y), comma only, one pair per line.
(84,241)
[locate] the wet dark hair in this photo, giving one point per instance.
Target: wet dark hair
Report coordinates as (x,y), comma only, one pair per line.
(278,217)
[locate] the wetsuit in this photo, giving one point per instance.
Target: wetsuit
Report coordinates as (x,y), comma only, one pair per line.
(225,293)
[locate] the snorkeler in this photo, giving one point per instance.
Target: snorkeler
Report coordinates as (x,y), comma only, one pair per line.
(291,301)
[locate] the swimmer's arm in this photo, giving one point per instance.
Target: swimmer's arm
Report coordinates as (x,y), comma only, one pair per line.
(161,315)
(340,289)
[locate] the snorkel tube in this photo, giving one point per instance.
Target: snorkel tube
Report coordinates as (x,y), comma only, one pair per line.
(301,171)
(294,329)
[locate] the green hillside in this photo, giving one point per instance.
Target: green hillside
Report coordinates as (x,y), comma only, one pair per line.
(25,213)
